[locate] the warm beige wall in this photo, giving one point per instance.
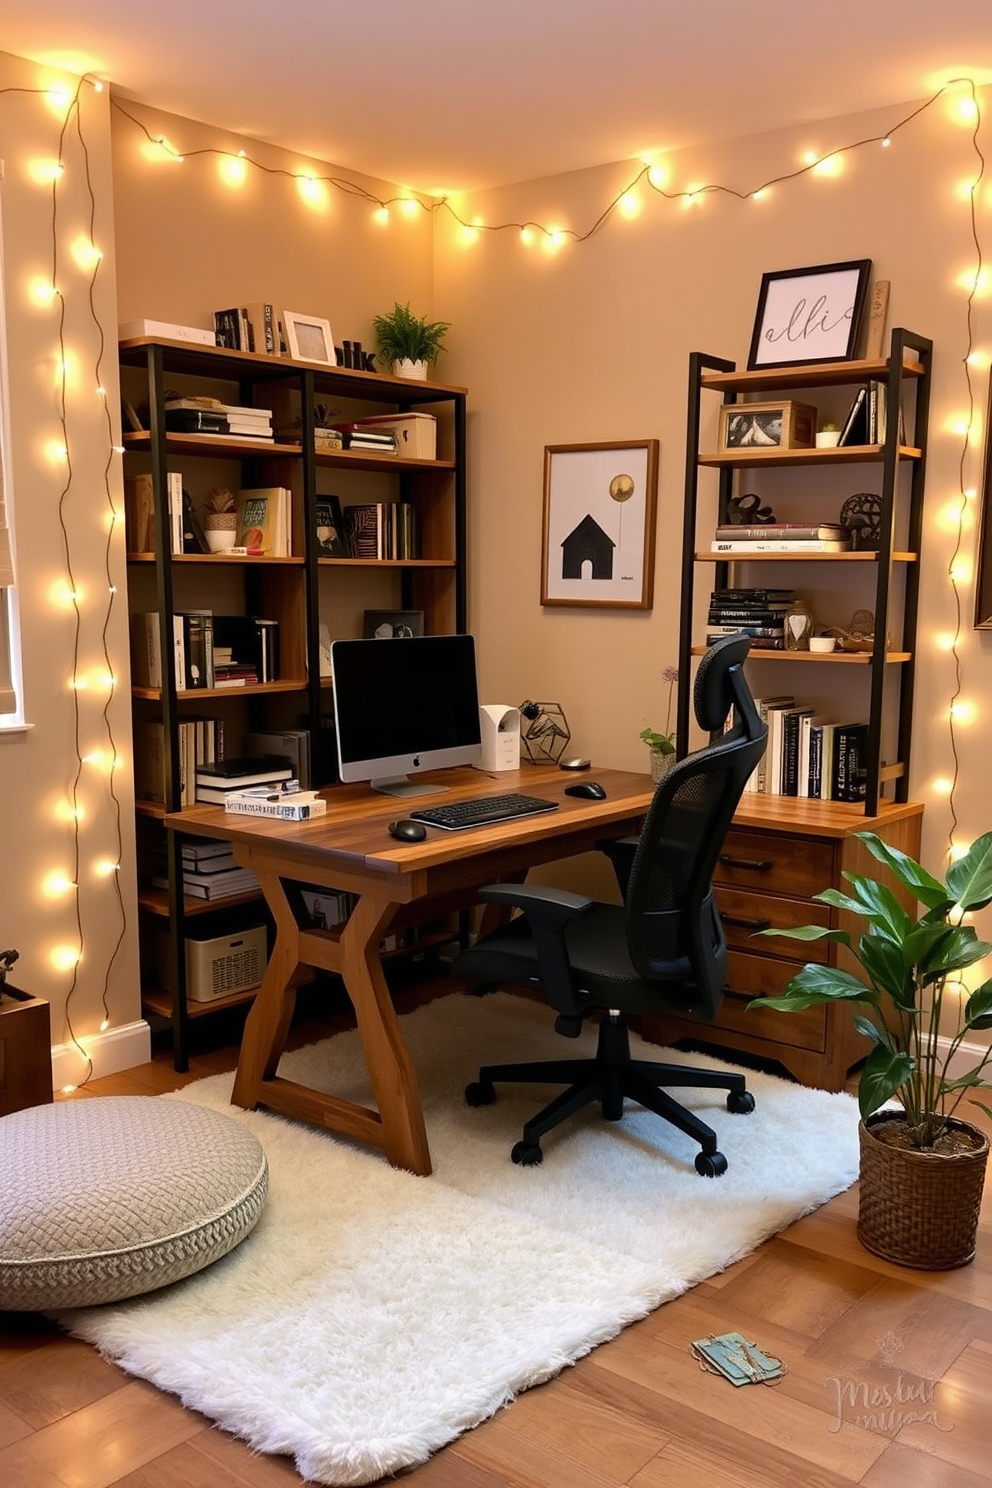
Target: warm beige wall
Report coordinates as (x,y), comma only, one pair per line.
(195,236)
(592,343)
(38,768)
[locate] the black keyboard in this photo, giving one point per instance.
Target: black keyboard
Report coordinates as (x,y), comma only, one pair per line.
(477,812)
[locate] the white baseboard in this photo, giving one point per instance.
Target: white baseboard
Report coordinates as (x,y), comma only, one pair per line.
(118,1049)
(966,1057)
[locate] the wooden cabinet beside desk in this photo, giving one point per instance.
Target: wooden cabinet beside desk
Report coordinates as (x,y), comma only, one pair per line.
(779,852)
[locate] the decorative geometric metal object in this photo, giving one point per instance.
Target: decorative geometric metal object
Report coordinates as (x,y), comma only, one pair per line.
(861,517)
(747,511)
(545,733)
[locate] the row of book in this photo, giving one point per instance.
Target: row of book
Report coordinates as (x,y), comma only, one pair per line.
(759,613)
(379,529)
(209,650)
(781,537)
(867,418)
(809,755)
(264,518)
(252,327)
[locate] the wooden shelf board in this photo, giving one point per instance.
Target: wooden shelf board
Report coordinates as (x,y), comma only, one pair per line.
(255,558)
(385,562)
(365,460)
(213,446)
(848,454)
(220,361)
(830,658)
(160,1003)
(156,901)
(824,375)
(252,689)
(799,557)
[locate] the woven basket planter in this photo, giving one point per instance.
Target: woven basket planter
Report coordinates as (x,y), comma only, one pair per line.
(919,1208)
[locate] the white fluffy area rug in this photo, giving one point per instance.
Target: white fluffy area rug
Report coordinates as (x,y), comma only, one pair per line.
(372,1316)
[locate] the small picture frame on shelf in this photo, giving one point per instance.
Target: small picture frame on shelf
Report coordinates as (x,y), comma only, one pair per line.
(810,315)
(758,426)
(393,625)
(308,338)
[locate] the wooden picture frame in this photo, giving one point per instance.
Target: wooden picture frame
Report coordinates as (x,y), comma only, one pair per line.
(983,575)
(781,424)
(808,316)
(598,539)
(308,338)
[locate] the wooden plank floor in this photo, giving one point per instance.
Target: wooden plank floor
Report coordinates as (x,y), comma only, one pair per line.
(887,1383)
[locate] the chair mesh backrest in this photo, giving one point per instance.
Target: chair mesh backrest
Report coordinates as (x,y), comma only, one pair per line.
(670,913)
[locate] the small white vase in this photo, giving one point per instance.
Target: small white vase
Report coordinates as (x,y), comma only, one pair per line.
(415,370)
(220,538)
(828,439)
(660,765)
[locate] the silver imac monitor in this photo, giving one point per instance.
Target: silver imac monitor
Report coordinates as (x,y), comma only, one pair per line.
(405,705)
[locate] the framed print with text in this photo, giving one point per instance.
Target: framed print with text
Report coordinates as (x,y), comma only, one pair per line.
(599,520)
(810,315)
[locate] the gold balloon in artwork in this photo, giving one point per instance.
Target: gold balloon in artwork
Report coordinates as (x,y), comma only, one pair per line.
(622,487)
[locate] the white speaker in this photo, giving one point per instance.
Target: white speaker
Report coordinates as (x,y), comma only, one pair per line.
(500,736)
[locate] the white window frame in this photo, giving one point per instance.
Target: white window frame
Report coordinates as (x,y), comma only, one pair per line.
(10,629)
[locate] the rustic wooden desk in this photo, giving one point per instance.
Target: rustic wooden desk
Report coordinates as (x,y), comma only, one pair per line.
(350,849)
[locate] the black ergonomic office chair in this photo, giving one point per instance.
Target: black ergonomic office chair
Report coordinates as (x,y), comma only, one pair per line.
(662,950)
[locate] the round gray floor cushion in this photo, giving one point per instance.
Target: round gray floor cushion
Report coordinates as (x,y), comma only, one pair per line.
(105,1198)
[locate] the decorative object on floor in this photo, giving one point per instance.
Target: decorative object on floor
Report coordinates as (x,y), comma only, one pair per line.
(748,511)
(861,514)
(662,746)
(922,1167)
(409,344)
(545,732)
(811,315)
(351,1257)
(599,524)
(220,518)
(109,1197)
(736,1359)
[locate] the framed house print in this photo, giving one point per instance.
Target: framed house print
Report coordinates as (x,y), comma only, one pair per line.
(809,315)
(599,520)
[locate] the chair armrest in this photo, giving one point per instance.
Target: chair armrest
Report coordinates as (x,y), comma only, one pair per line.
(620,851)
(549,906)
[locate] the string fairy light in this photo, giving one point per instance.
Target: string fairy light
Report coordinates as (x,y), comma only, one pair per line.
(651,181)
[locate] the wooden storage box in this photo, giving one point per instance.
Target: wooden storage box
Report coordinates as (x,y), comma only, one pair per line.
(25,1051)
(760,426)
(416,433)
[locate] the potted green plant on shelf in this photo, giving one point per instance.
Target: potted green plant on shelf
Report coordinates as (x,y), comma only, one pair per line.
(662,746)
(409,343)
(922,1167)
(828,435)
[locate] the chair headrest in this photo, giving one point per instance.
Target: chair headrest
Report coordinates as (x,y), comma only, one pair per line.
(713,693)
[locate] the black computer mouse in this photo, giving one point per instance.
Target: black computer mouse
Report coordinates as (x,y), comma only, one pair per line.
(407,831)
(591,789)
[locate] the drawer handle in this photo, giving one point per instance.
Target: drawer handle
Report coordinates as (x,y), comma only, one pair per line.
(743,924)
(756,865)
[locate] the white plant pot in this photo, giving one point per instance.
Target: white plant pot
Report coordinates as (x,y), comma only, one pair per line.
(406,368)
(219,539)
(828,439)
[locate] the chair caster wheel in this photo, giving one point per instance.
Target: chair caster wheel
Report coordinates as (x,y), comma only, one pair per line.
(479,1094)
(711,1164)
(527,1154)
(741,1102)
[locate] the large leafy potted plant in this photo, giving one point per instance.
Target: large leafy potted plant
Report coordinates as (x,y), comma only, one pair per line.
(409,343)
(922,1167)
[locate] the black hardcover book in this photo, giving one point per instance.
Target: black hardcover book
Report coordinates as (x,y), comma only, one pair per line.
(855,430)
(330,529)
(850,762)
(196,421)
(194,537)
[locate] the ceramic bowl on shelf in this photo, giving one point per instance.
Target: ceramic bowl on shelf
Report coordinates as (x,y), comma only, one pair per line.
(822,644)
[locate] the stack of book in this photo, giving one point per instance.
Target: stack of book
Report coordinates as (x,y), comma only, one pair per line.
(781,537)
(759,613)
(210,872)
(381,529)
(359,436)
(283,804)
(195,415)
(216,780)
(245,650)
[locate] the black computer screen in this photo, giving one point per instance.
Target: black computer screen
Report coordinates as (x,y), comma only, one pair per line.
(404,705)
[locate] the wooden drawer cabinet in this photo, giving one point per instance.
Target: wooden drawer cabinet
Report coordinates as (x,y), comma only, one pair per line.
(779,852)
